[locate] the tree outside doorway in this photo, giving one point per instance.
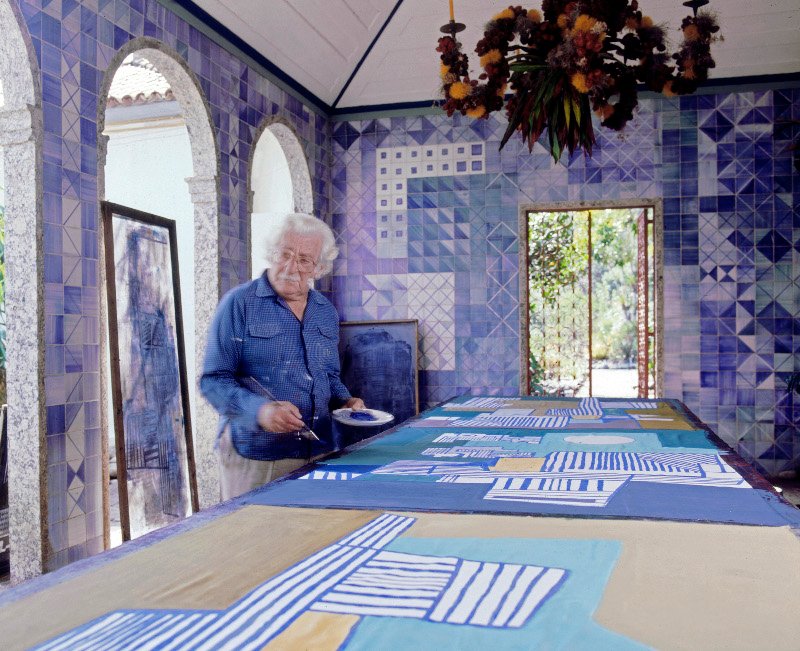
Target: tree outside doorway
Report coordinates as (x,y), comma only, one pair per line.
(590,302)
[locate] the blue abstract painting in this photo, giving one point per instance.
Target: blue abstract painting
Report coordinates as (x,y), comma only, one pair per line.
(153,414)
(379,365)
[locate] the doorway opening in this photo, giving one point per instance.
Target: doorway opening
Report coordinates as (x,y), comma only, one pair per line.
(592,301)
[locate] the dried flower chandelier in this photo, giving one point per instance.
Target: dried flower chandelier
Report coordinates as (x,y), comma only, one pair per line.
(572,58)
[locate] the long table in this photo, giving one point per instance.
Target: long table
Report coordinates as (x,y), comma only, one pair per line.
(485,522)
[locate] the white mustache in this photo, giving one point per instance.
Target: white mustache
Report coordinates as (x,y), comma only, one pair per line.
(294,278)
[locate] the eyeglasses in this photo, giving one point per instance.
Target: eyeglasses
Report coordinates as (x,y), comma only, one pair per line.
(285,256)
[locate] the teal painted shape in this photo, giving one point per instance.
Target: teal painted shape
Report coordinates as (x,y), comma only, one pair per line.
(409,443)
(695,442)
(564,621)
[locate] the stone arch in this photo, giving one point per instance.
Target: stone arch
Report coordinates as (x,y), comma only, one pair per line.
(21,141)
(302,189)
(204,192)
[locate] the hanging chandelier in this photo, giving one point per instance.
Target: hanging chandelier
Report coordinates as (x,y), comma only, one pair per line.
(552,69)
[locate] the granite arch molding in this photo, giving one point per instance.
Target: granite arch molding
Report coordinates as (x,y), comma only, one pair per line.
(21,145)
(204,192)
(285,134)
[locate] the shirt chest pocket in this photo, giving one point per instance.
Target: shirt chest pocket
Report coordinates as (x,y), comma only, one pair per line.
(264,345)
(325,345)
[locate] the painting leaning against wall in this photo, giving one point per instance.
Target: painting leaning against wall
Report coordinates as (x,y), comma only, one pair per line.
(379,363)
(153,430)
(4,530)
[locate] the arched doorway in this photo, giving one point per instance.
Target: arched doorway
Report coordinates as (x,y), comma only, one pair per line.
(203,194)
(20,143)
(279,183)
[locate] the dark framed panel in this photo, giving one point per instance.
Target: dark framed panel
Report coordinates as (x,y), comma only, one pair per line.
(379,364)
(5,547)
(152,423)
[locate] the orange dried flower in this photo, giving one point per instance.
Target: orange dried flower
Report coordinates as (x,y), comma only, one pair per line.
(507,14)
(492,56)
(460,90)
(667,89)
(562,21)
(579,81)
(534,15)
(476,112)
(583,23)
(647,21)
(444,70)
(631,23)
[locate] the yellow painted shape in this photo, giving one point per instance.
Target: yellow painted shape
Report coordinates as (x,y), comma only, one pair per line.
(318,631)
(518,465)
(676,420)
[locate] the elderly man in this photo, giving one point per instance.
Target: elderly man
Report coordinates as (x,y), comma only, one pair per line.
(272,362)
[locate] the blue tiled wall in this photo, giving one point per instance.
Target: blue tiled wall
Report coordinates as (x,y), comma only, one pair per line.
(731,248)
(74,43)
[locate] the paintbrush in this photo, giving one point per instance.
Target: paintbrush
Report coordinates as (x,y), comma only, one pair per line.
(256,387)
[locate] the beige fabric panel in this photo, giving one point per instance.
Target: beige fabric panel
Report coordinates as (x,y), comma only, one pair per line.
(675,586)
(206,568)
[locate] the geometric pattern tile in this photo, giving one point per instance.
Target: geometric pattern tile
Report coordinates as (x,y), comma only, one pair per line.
(394,166)
(431,300)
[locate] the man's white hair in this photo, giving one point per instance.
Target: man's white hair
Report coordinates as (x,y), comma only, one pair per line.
(303,224)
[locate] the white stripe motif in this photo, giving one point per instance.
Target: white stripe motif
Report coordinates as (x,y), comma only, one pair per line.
(355,576)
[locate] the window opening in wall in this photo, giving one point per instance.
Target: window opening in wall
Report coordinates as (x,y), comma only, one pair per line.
(271,183)
(148,161)
(591,302)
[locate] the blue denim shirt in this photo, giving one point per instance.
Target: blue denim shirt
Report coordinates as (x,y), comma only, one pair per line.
(255,334)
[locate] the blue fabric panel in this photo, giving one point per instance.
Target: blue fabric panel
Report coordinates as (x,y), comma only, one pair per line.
(634,500)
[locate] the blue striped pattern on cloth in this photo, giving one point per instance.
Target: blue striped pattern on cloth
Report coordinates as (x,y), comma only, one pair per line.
(412,467)
(138,629)
(586,407)
(391,584)
(630,404)
(443,589)
(379,533)
(634,462)
(465,437)
(558,490)
(500,595)
(475,452)
(483,403)
(524,422)
(355,576)
(331,475)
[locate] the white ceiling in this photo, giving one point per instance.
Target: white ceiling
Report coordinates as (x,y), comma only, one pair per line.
(319,43)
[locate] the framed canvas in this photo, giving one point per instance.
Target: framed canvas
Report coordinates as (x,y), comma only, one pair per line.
(5,548)
(152,424)
(379,364)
